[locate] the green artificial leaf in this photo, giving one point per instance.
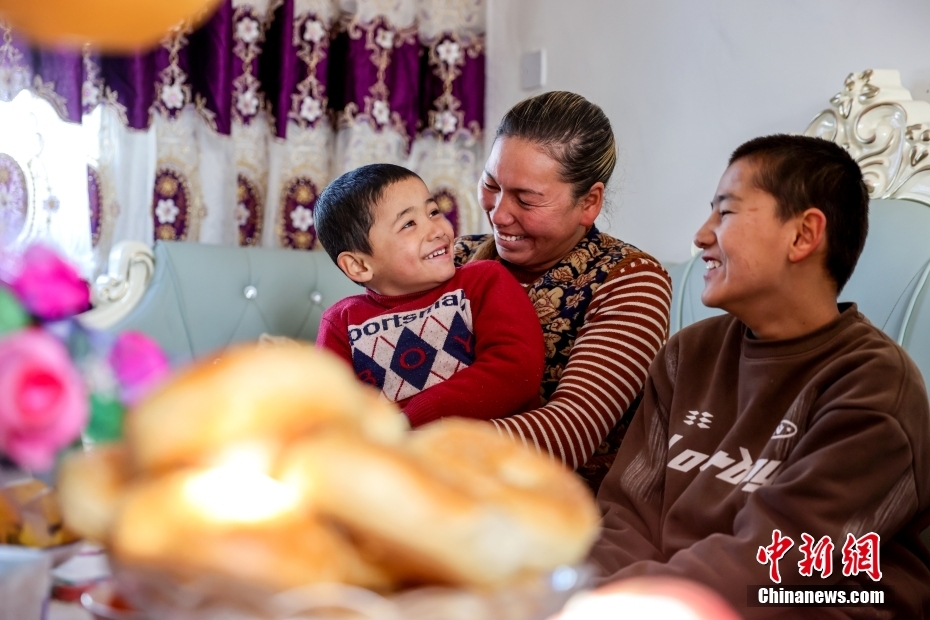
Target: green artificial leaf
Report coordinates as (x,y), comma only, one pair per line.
(12,314)
(106,419)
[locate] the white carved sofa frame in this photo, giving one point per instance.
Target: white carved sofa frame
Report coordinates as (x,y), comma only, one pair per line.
(115,293)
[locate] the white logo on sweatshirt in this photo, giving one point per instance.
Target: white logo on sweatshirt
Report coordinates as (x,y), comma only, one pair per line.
(754,473)
(785,429)
(703,422)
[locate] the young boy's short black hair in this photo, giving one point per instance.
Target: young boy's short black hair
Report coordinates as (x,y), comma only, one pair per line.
(802,172)
(344,212)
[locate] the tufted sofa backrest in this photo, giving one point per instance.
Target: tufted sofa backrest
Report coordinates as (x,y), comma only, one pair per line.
(205,297)
(890,283)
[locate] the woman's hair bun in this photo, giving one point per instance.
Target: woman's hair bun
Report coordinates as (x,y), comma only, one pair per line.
(572,130)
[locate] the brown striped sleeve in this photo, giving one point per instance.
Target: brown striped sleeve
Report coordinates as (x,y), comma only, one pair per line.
(625,325)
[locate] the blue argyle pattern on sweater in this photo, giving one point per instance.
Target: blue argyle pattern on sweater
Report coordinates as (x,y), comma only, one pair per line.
(404,353)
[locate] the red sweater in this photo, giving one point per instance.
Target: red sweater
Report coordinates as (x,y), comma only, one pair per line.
(470,348)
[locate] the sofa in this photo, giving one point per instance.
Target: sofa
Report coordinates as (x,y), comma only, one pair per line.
(195,298)
(888,133)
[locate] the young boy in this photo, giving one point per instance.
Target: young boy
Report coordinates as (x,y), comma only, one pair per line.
(437,340)
(786,443)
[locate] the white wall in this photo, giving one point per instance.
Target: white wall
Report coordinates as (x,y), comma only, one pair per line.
(686,81)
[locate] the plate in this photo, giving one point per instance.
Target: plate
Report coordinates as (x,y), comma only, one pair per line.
(60,554)
(207,599)
(103,603)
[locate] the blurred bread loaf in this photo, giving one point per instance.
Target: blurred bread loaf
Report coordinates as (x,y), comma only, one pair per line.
(456,503)
(249,393)
(159,526)
(273,466)
(90,487)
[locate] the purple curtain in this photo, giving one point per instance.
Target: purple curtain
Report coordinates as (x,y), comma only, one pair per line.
(304,70)
(343,62)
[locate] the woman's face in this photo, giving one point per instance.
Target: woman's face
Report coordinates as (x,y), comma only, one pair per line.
(535,220)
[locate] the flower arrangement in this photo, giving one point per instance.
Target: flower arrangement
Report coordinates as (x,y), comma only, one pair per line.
(58,380)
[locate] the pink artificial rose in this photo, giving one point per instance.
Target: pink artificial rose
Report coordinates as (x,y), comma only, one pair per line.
(50,287)
(43,400)
(139,364)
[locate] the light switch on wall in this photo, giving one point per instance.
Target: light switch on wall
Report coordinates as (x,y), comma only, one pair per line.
(533,69)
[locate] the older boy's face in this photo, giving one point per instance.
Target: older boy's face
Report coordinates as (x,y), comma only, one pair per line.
(744,245)
(411,241)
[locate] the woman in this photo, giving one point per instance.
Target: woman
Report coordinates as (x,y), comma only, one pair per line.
(603,304)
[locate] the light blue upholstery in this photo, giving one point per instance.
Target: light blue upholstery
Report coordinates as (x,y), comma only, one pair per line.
(200,300)
(687,284)
(916,337)
(890,283)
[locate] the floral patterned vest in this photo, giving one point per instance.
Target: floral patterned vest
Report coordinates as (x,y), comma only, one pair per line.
(562,295)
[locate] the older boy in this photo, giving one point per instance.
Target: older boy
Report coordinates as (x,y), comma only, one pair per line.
(435,339)
(790,417)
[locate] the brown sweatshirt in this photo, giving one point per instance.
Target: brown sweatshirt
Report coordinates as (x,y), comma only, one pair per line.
(826,434)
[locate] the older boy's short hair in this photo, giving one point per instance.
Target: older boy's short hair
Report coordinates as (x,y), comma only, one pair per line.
(802,172)
(344,212)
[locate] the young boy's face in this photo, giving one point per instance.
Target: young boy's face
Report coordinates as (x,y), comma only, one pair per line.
(411,241)
(745,245)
